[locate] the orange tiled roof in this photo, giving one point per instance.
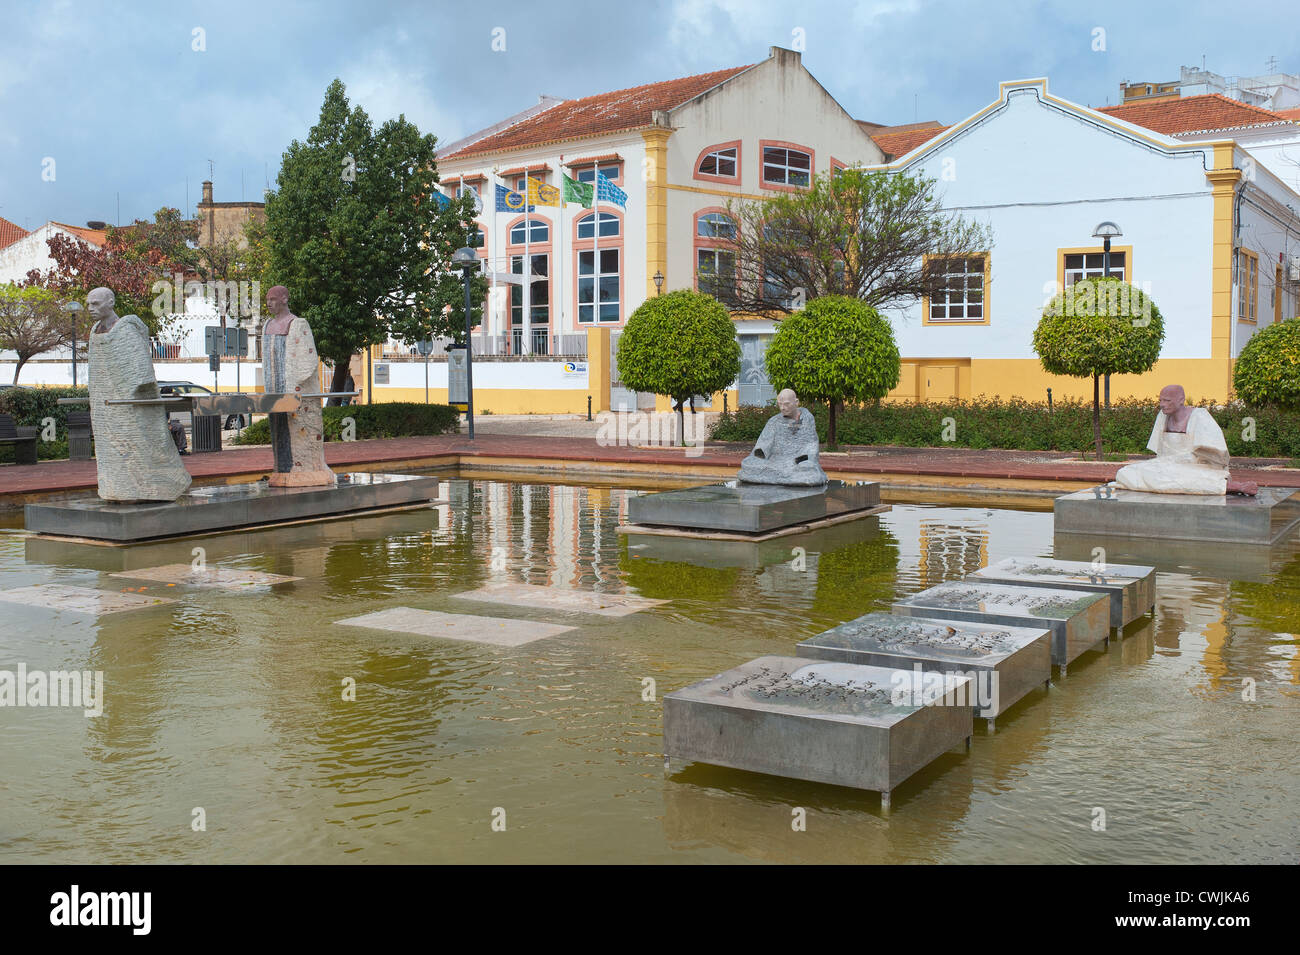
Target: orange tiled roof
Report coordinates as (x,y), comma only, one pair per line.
(602,113)
(10,232)
(898,140)
(1194,114)
(1291,114)
(93,236)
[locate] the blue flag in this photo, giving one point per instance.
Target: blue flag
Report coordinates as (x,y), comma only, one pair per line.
(442,201)
(606,191)
(510,201)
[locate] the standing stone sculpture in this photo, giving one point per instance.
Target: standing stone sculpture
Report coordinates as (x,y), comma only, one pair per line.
(1191,455)
(135,456)
(293,367)
(787,450)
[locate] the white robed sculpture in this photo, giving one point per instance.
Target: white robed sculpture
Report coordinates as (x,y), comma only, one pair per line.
(1191,455)
(135,456)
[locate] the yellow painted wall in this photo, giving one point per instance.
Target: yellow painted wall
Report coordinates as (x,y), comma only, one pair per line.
(1025,378)
(500,400)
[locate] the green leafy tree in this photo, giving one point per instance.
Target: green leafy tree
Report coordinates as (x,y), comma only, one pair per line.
(1268,370)
(882,237)
(31,322)
(837,349)
(680,344)
(357,236)
(1099,327)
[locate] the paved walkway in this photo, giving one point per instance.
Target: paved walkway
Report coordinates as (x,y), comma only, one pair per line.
(1045,466)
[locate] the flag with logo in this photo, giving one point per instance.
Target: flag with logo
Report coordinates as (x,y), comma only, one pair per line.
(606,191)
(539,193)
(440,200)
(579,192)
(510,201)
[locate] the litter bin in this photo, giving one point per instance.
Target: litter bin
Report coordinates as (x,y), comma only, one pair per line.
(80,436)
(207,433)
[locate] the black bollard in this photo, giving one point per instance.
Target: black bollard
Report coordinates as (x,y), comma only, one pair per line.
(588,407)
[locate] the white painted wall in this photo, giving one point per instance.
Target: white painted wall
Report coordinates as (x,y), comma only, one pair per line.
(1043,178)
(525,375)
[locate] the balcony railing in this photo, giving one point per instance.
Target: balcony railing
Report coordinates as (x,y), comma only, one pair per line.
(544,344)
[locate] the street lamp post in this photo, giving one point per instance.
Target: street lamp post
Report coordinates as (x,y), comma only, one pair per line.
(73,308)
(659,282)
(467,261)
(1106,231)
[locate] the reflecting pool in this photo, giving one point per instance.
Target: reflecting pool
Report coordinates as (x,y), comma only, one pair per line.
(232,700)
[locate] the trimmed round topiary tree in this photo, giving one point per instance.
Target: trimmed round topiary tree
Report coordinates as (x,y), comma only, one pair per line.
(1268,369)
(1099,327)
(680,344)
(837,349)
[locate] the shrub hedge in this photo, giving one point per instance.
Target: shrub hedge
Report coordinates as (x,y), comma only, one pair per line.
(30,406)
(392,419)
(1016,424)
(1268,369)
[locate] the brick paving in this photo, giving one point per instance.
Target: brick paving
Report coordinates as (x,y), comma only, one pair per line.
(1048,466)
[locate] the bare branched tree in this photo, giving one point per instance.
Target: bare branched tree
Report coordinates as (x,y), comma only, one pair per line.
(31,322)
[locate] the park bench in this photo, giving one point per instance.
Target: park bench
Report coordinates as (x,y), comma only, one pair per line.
(80,436)
(23,440)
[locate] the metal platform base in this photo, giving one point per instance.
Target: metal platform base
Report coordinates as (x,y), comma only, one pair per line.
(1111,511)
(203,510)
(751,509)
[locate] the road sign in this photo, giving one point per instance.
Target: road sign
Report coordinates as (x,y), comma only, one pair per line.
(424,348)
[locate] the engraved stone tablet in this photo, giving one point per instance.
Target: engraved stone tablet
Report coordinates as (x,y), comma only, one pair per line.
(470,628)
(559,598)
(80,599)
(1132,587)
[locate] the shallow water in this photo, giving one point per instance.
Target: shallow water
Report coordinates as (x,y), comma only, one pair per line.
(232,701)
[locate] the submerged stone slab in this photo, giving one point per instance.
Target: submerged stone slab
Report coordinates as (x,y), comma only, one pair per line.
(1003,662)
(822,721)
(1264,519)
(1132,587)
(1079,620)
(559,598)
(225,578)
(225,507)
(80,599)
(468,628)
(750,508)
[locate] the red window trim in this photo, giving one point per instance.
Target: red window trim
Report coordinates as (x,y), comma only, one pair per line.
(606,242)
(707,242)
(782,144)
(573,167)
(706,177)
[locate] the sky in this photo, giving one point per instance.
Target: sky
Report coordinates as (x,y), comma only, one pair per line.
(109,111)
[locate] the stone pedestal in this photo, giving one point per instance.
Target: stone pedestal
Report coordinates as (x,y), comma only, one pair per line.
(227,507)
(1132,587)
(1004,663)
(817,720)
(1078,620)
(1112,511)
(750,508)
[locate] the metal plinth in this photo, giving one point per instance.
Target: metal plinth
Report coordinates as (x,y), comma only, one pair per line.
(227,507)
(817,720)
(1132,587)
(1118,512)
(750,508)
(1004,663)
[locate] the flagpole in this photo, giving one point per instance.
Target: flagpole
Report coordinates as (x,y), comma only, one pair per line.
(491,262)
(526,342)
(557,243)
(595,244)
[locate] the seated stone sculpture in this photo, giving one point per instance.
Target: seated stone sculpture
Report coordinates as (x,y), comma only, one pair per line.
(786,452)
(1191,455)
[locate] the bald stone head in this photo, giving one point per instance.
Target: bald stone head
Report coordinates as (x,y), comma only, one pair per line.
(277,299)
(788,402)
(1172,397)
(100,304)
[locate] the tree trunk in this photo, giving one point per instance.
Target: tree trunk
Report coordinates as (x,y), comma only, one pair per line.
(340,379)
(1096,415)
(681,421)
(830,427)
(18,368)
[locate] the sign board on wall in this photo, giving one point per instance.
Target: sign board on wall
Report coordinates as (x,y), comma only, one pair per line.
(574,370)
(381,374)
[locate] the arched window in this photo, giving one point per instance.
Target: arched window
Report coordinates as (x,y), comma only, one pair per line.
(609,225)
(715,255)
(786,166)
(533,230)
(719,163)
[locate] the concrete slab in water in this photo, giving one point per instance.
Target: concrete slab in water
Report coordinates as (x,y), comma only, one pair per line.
(470,628)
(750,508)
(1118,512)
(1132,587)
(1079,620)
(80,599)
(225,578)
(559,598)
(227,506)
(822,721)
(1004,662)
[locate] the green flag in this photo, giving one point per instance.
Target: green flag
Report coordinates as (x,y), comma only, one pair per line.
(579,192)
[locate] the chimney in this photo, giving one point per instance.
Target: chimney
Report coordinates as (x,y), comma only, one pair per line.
(207,192)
